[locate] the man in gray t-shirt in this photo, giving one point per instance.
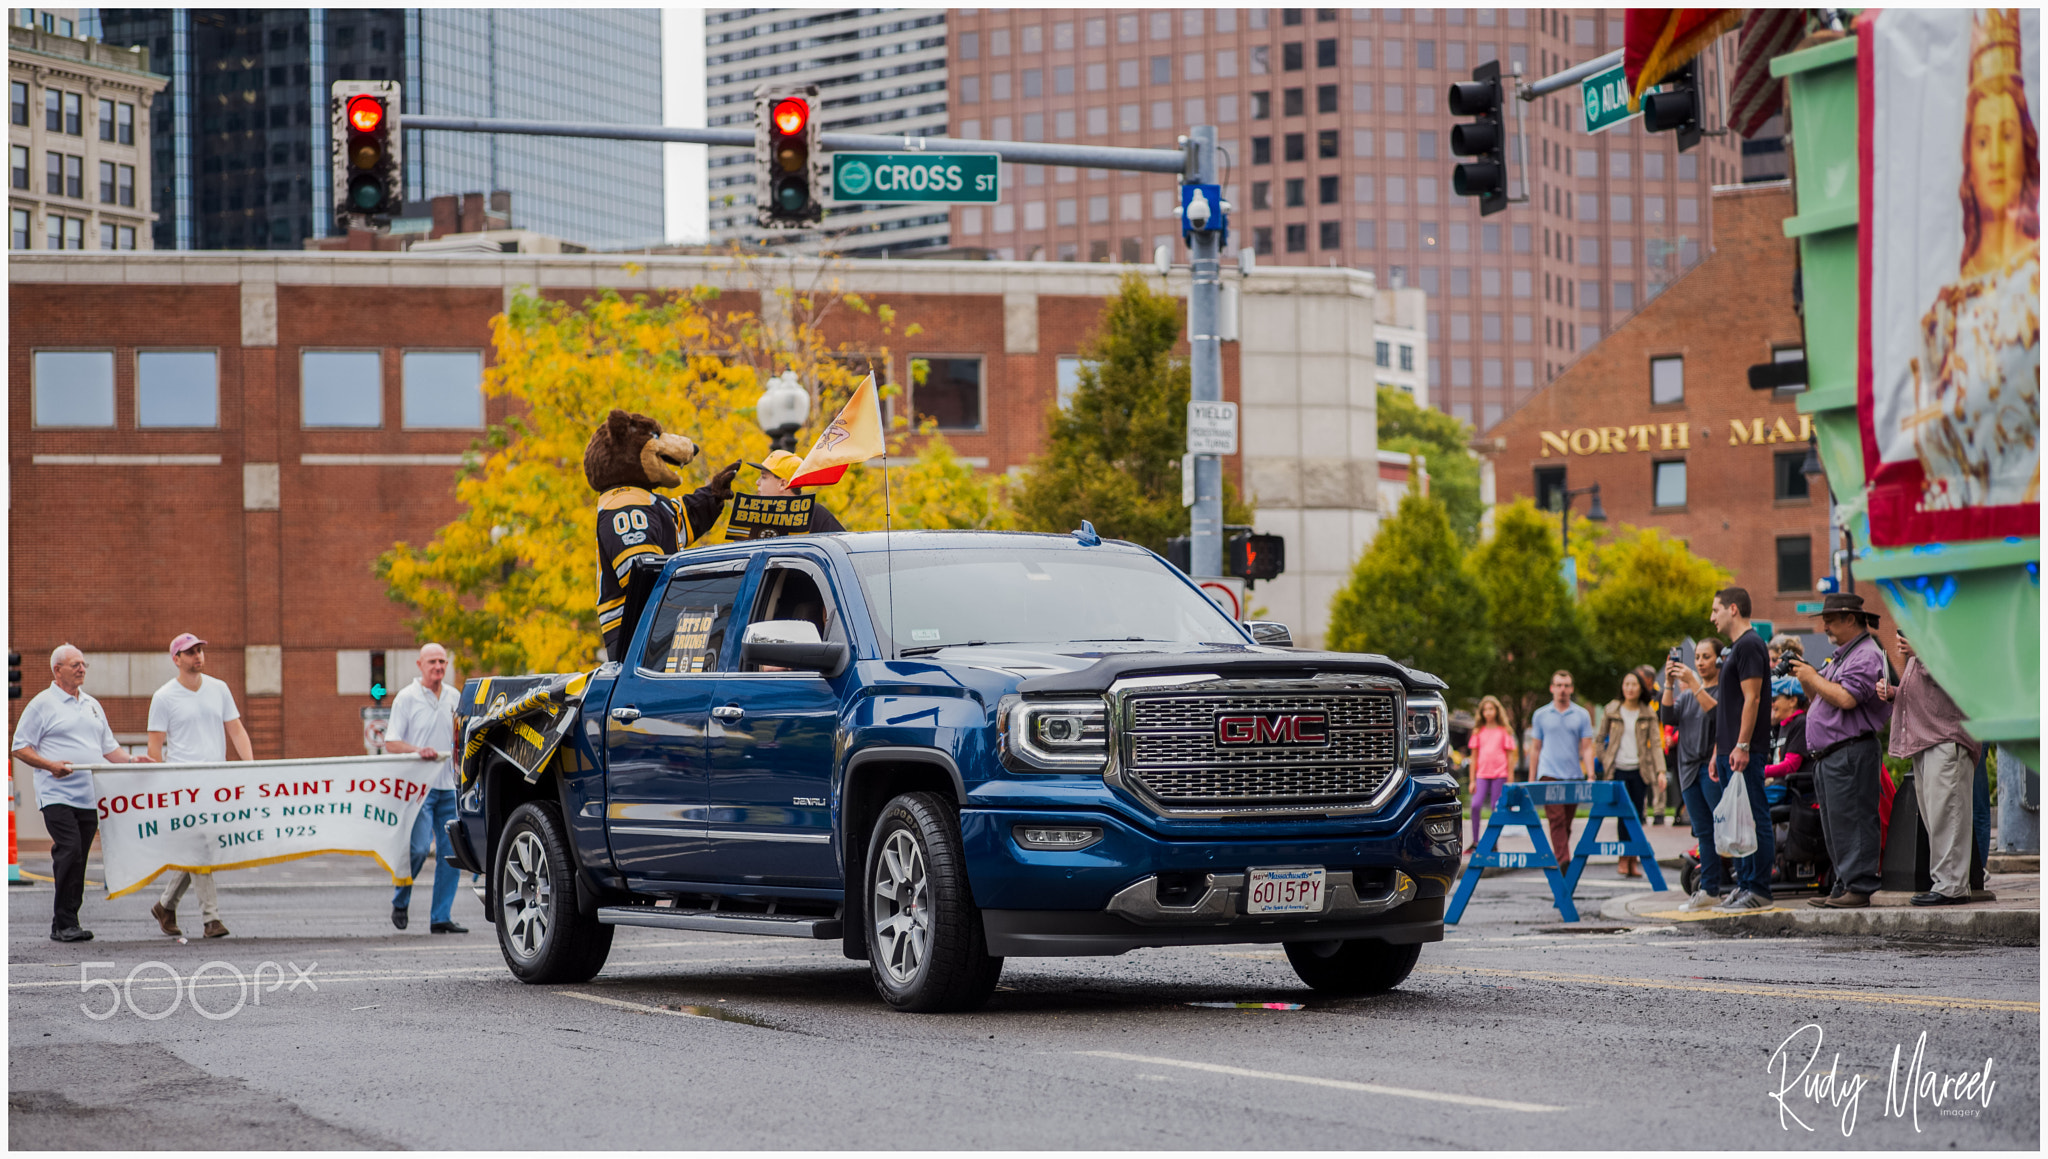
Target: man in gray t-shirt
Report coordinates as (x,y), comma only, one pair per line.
(1561,749)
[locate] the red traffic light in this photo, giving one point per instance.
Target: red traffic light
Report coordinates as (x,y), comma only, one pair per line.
(365,114)
(789,116)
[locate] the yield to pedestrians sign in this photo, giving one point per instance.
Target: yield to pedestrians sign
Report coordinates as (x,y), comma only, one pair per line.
(947,178)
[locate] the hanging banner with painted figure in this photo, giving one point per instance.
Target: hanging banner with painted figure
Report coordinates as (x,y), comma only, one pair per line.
(205,818)
(1949,392)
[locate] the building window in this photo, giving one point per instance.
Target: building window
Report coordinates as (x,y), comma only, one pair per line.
(1382,354)
(1407,355)
(341,388)
(1262,195)
(53,111)
(127,237)
(74,233)
(443,389)
(74,177)
(176,388)
(1790,481)
(1668,484)
(1795,563)
(1290,103)
(19,238)
(1549,488)
(74,388)
(1667,381)
(1295,192)
(124,124)
(17,101)
(17,157)
(56,232)
(1262,239)
(1297,239)
(1069,375)
(1290,57)
(1326,98)
(1326,144)
(1297,147)
(53,174)
(106,120)
(1262,150)
(106,235)
(106,183)
(126,185)
(74,115)
(948,391)
(1330,235)
(1326,53)
(1262,106)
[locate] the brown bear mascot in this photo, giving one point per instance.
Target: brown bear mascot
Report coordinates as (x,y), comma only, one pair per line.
(627,458)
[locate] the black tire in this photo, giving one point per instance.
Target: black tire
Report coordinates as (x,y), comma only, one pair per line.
(1689,876)
(542,934)
(1354,967)
(926,950)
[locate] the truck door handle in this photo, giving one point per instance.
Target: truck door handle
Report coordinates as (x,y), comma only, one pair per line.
(625,715)
(728,713)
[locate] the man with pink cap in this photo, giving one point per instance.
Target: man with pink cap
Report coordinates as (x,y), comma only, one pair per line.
(191,720)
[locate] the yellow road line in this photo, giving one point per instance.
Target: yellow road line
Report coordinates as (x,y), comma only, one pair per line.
(1760,990)
(1320,1081)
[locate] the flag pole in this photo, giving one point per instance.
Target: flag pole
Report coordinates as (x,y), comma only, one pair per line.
(888,520)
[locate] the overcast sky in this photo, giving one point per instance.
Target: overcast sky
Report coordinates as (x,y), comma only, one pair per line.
(682,105)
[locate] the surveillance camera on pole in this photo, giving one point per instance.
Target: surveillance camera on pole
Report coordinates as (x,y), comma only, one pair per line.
(789,162)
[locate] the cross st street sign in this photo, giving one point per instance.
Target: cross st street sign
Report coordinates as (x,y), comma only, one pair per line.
(946,178)
(1604,96)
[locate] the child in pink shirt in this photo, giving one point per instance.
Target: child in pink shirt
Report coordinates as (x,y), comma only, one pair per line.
(1493,757)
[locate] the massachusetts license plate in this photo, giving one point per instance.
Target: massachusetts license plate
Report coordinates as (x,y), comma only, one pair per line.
(1285,891)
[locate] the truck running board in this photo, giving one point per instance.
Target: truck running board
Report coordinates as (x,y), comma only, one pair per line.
(774,925)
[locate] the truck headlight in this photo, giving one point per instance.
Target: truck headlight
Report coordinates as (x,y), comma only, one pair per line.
(1429,731)
(1056,838)
(1053,735)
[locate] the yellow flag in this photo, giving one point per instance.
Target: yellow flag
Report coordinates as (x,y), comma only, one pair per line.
(853,436)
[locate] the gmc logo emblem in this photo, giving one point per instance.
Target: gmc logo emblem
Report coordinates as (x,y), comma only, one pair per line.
(1273,728)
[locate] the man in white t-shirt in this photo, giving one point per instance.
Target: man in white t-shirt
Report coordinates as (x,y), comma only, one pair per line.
(191,720)
(423,722)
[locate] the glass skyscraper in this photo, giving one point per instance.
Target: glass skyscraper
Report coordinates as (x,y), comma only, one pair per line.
(241,142)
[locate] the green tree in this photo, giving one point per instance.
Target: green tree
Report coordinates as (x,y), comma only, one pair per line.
(1442,441)
(1113,454)
(1647,592)
(1536,625)
(1411,599)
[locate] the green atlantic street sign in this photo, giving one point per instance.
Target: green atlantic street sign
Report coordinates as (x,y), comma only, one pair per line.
(1605,98)
(946,178)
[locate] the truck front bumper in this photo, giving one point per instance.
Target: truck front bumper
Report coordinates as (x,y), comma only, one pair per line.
(1014,933)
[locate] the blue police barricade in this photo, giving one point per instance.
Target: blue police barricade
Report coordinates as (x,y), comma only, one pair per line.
(1518,807)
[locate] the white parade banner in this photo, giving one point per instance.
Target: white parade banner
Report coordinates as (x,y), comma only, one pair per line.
(204,818)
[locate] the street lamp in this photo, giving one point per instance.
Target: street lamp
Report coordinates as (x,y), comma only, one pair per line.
(782,410)
(1594,512)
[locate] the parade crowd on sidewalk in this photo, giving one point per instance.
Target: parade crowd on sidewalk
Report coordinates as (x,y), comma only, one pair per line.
(1739,709)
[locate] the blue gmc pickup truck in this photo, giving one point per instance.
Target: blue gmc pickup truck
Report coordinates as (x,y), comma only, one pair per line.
(947,748)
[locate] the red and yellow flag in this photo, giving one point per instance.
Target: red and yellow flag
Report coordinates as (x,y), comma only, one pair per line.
(853,436)
(1658,41)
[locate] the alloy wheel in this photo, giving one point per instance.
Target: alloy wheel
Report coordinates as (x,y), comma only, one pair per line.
(902,907)
(526,892)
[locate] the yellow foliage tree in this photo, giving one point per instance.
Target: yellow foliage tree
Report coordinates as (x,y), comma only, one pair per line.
(510,584)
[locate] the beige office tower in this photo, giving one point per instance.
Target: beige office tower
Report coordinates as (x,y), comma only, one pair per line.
(1337,138)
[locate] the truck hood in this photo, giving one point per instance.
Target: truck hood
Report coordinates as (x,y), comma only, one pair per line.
(1058,669)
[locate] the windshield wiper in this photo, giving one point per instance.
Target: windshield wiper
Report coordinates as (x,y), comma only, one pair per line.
(1119,640)
(927,649)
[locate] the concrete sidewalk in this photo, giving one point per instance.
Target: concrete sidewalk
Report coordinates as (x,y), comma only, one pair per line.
(2007,913)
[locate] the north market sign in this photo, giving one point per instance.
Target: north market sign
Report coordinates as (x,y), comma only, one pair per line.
(1669,437)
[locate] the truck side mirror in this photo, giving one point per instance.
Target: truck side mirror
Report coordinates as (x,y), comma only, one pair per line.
(1271,633)
(791,644)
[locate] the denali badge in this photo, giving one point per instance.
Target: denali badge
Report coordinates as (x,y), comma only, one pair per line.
(1273,728)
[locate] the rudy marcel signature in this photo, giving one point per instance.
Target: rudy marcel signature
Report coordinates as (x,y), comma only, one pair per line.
(1799,1082)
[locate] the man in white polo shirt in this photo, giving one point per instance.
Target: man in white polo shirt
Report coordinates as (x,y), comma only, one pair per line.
(423,722)
(191,719)
(64,726)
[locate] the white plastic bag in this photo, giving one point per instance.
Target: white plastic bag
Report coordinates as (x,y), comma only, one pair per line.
(1734,825)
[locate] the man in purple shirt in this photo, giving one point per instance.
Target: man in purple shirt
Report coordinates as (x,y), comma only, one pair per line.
(1841,729)
(1928,729)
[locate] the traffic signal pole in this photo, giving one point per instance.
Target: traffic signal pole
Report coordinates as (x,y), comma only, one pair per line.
(1194,163)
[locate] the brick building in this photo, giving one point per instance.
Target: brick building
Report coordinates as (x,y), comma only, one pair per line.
(1661,415)
(223,442)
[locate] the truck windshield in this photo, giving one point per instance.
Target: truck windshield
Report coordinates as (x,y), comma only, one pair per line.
(994,596)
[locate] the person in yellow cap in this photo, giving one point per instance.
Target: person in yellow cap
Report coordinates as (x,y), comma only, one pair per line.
(776,471)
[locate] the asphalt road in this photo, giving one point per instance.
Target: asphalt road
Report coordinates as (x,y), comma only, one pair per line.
(1511,1034)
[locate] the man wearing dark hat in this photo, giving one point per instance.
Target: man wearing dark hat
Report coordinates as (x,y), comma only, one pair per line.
(1841,731)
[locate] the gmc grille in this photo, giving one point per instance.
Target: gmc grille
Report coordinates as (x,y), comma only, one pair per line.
(1171,750)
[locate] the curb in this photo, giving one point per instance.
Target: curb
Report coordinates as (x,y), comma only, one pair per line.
(2003,927)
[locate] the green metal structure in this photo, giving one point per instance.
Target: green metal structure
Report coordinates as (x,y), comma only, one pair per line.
(1972,609)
